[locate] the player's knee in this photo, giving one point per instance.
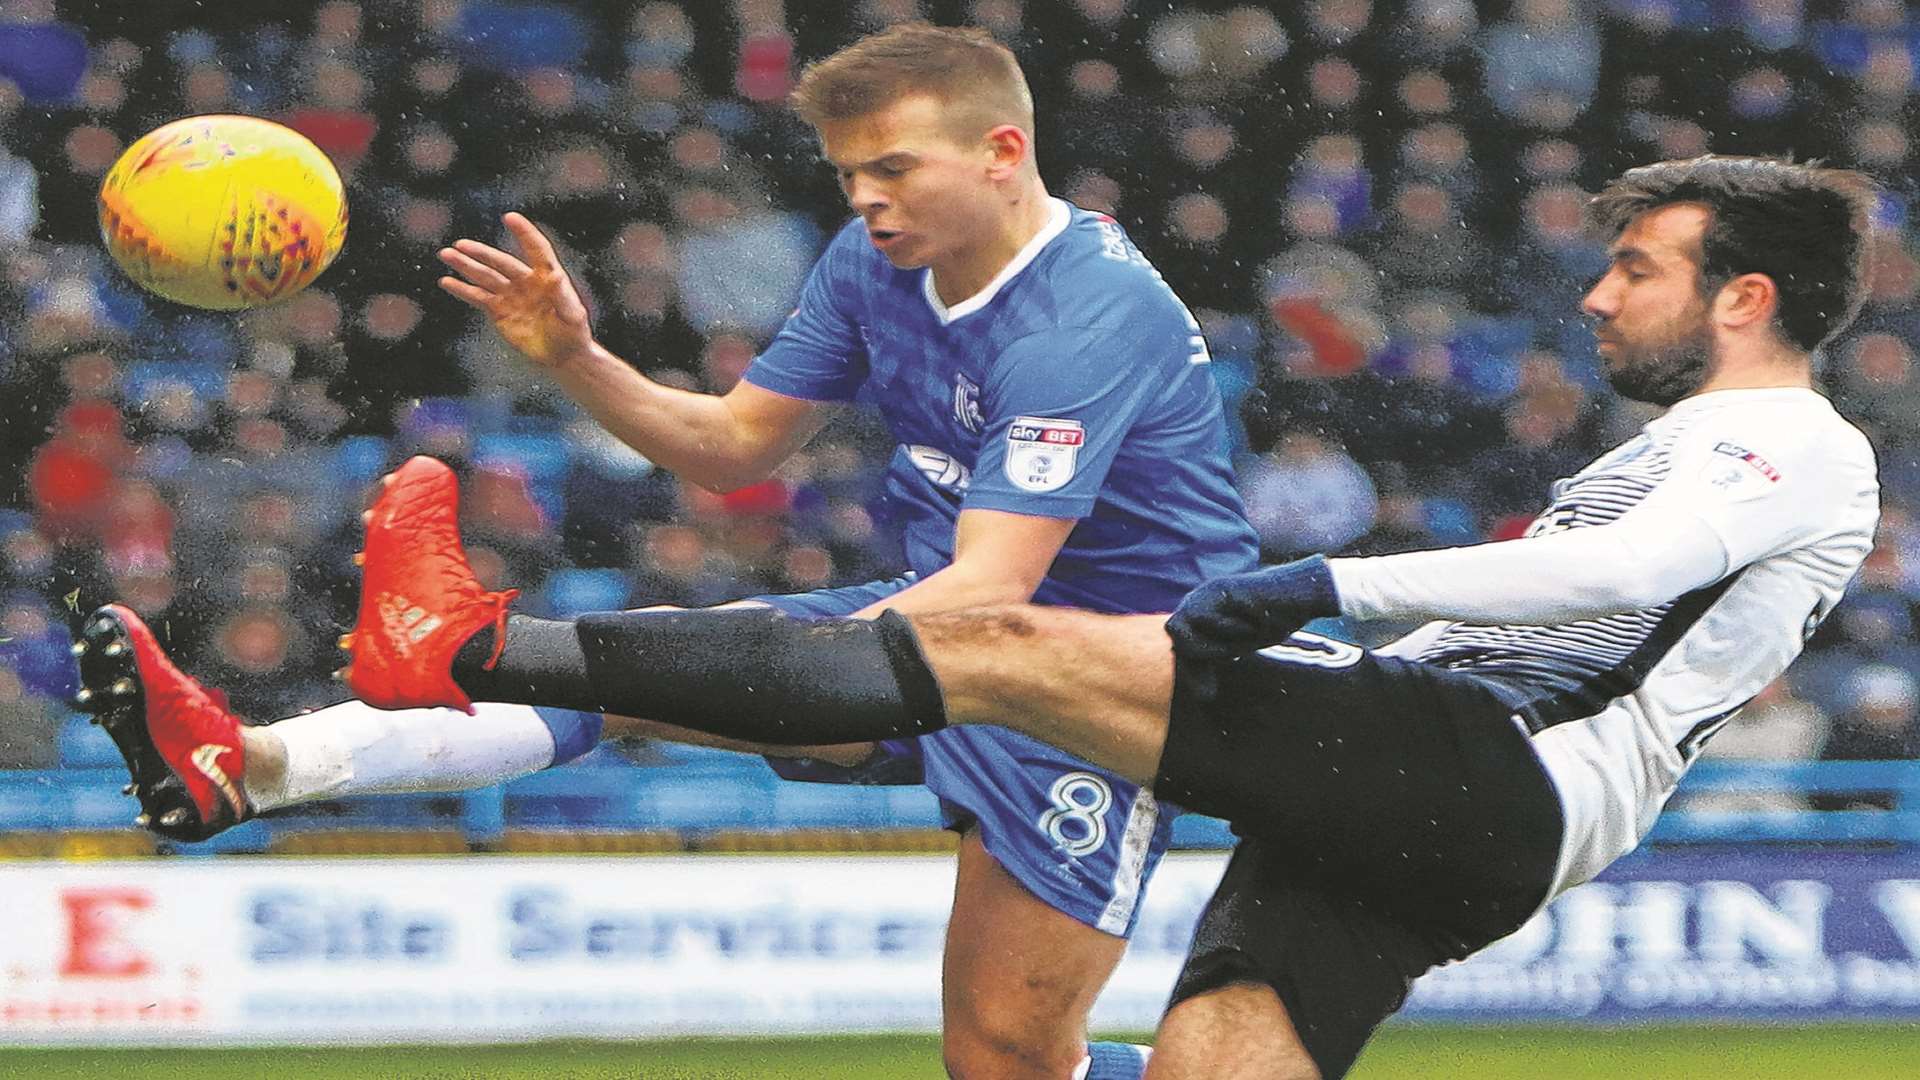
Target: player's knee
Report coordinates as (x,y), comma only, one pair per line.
(989,1043)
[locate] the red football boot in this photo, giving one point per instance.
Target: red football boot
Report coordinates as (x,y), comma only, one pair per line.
(419,599)
(182,745)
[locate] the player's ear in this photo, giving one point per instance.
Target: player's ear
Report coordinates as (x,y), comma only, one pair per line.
(1008,147)
(1747,299)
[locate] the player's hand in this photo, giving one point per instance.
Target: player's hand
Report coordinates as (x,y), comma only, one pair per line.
(530,299)
(1243,613)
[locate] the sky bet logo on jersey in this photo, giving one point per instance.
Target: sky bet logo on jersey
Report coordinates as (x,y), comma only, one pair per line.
(1041,452)
(1740,474)
(1761,465)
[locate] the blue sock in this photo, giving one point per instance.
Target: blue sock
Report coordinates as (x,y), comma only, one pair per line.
(1117,1061)
(574,732)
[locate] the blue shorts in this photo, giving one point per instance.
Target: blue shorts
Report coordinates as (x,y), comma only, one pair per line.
(1078,837)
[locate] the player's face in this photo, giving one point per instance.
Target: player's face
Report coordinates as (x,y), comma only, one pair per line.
(921,191)
(1649,315)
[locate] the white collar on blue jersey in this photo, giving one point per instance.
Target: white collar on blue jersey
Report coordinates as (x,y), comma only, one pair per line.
(1055,225)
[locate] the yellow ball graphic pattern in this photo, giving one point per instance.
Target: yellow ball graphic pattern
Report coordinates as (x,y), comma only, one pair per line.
(223,212)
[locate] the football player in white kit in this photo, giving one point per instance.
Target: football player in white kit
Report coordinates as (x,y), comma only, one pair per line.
(1405,806)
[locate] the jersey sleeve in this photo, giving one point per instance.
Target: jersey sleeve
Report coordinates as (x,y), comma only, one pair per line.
(1058,407)
(1732,496)
(819,354)
(1763,490)
(1645,558)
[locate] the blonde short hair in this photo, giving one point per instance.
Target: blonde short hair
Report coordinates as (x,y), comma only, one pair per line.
(975,77)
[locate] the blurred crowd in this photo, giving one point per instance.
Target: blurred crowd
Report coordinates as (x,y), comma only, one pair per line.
(1375,209)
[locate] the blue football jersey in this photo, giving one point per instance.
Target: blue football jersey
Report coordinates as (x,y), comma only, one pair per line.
(1075,385)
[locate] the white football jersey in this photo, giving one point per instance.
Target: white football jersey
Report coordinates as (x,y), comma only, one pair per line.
(1619,705)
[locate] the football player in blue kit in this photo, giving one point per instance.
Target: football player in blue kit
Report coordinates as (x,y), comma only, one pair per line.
(1060,441)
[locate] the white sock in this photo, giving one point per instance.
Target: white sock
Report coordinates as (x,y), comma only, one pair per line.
(355,749)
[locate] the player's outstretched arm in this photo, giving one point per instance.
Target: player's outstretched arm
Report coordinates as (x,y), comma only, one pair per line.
(1720,506)
(719,443)
(1647,557)
(1538,581)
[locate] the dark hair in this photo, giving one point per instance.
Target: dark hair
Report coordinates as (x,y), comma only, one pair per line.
(1801,224)
(974,75)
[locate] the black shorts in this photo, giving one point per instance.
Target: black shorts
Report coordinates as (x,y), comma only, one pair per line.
(1394,817)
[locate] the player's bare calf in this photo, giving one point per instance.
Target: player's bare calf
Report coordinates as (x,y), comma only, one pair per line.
(182,745)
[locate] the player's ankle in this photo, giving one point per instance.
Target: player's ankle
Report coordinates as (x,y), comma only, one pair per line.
(528,661)
(475,656)
(265,778)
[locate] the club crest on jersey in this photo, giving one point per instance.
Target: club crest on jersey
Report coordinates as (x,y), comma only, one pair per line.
(966,404)
(1761,465)
(1041,452)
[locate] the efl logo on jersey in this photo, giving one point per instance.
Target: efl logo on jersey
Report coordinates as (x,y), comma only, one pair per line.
(1041,452)
(1760,464)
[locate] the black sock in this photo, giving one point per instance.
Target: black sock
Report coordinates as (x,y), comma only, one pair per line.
(744,673)
(541,665)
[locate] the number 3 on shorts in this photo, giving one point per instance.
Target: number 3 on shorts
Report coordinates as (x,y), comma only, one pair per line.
(1077,822)
(1305,648)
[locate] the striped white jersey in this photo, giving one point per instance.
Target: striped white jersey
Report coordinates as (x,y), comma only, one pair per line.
(1620,704)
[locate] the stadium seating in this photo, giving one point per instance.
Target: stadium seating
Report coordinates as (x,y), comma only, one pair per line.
(714,791)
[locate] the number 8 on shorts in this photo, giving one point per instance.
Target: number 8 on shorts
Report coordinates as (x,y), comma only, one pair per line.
(1077,821)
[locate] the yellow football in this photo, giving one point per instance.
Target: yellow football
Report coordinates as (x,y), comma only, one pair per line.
(223,212)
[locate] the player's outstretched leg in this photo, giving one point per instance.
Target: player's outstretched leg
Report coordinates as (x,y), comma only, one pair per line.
(185,758)
(419,598)
(198,769)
